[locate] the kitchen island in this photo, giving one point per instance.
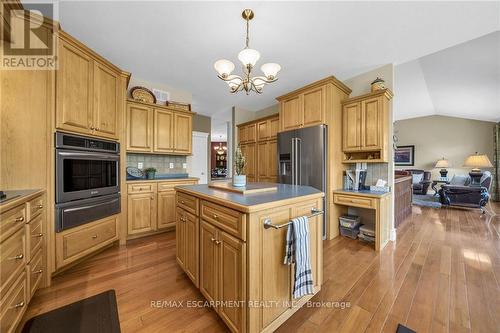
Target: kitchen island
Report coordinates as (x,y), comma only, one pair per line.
(232,247)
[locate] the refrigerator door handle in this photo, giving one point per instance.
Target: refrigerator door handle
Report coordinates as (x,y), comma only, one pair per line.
(293,161)
(298,157)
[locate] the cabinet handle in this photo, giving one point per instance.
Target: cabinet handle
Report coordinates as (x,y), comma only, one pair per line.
(19,219)
(18,257)
(40,206)
(40,271)
(182,201)
(18,305)
(92,127)
(213,239)
(94,237)
(215,216)
(217,242)
(152,198)
(38,235)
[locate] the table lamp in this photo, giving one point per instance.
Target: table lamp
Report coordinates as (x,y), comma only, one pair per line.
(476,162)
(443,164)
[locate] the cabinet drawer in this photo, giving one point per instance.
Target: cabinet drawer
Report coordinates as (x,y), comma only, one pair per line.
(355,201)
(11,221)
(165,186)
(76,243)
(141,188)
(14,305)
(34,272)
(227,219)
(35,207)
(12,259)
(34,234)
(187,202)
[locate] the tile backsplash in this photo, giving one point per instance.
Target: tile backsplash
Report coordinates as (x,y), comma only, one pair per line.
(160,162)
(374,171)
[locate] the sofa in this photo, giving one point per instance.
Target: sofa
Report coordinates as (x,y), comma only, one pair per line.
(461,194)
(421,180)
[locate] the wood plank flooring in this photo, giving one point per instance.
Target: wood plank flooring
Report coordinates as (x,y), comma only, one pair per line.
(442,275)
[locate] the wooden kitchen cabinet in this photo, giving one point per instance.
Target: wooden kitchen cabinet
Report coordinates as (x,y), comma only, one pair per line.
(208,261)
(291,113)
(187,233)
(365,135)
(141,213)
(249,151)
(267,168)
(89,92)
(166,209)
(158,129)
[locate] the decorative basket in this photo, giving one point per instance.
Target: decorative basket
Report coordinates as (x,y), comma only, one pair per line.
(143,94)
(179,105)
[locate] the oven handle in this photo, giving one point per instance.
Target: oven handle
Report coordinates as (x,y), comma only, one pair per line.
(89,155)
(91,206)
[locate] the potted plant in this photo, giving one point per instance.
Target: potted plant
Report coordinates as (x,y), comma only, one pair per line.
(239,179)
(150,173)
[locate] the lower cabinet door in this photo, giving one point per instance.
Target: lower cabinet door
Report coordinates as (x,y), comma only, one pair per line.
(232,288)
(208,261)
(166,209)
(191,248)
(180,237)
(141,213)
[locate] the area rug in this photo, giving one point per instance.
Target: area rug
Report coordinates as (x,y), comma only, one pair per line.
(427,200)
(96,314)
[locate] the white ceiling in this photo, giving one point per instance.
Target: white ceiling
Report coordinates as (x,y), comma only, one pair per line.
(177,43)
(460,81)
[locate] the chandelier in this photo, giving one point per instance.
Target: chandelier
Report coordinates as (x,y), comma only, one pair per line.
(248,58)
(220,149)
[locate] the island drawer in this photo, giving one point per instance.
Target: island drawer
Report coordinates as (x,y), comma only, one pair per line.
(227,219)
(14,305)
(11,221)
(35,207)
(355,201)
(34,234)
(12,259)
(34,273)
(141,188)
(188,202)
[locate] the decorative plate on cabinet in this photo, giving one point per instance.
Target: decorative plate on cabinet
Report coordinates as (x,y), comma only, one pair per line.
(143,94)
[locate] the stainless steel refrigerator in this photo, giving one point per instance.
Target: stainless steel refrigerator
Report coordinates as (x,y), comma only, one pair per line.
(302,156)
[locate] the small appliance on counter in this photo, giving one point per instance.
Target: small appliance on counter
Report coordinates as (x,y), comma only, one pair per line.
(356,179)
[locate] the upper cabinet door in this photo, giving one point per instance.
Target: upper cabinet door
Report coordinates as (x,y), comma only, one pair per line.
(262,130)
(262,161)
(351,119)
(274,127)
(163,131)
(106,101)
(371,123)
(291,113)
(74,90)
(250,156)
(242,134)
(183,133)
(272,151)
(139,124)
(251,132)
(314,106)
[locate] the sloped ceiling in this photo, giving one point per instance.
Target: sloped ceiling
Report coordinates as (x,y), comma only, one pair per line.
(460,81)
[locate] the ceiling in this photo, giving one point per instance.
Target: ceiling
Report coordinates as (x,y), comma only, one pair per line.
(460,81)
(177,43)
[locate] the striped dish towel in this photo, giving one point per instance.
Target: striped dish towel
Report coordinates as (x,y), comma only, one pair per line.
(297,252)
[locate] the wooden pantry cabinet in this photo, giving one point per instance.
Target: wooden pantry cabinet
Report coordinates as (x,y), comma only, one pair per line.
(260,152)
(90,92)
(158,129)
(151,206)
(365,129)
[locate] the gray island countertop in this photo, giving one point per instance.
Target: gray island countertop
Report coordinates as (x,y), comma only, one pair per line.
(252,201)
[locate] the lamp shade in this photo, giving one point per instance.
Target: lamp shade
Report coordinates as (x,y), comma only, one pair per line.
(249,57)
(477,161)
(442,163)
(270,70)
(224,67)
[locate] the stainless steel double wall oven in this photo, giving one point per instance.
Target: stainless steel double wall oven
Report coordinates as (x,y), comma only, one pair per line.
(87,179)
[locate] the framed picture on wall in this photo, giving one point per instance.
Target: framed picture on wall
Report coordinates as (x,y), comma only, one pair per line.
(404,156)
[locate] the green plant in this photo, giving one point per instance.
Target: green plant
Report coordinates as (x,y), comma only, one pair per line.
(239,162)
(149,170)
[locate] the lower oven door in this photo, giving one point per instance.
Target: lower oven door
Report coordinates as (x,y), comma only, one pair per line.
(75,213)
(82,174)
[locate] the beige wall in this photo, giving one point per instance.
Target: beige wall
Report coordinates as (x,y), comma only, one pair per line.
(361,84)
(177,95)
(270,110)
(435,137)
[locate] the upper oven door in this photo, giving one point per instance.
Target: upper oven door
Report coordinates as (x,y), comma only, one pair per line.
(81,174)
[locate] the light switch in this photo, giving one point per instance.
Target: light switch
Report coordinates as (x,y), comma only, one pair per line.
(140,165)
(184,165)
(171,165)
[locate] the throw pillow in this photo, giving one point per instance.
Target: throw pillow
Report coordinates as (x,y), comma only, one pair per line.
(460,180)
(417,178)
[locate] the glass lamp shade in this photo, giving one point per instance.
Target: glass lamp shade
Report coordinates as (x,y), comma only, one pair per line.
(442,163)
(233,81)
(259,82)
(477,162)
(249,57)
(270,70)
(224,67)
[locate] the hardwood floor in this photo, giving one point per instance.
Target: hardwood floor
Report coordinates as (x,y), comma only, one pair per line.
(442,275)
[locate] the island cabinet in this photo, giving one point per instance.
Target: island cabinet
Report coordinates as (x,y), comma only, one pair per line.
(158,129)
(90,92)
(241,270)
(365,129)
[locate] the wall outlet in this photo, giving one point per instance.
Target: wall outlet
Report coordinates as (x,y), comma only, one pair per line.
(140,165)
(171,165)
(184,165)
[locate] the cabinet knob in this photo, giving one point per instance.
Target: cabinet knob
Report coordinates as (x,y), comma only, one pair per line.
(140,188)
(182,201)
(40,206)
(18,257)
(152,198)
(19,219)
(217,242)
(38,271)
(38,235)
(94,237)
(215,216)
(18,305)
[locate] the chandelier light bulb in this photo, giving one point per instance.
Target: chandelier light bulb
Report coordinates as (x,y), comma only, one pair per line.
(249,57)
(224,67)
(270,70)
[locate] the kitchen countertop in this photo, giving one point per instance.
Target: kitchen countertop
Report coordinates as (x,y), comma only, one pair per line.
(254,201)
(363,193)
(19,197)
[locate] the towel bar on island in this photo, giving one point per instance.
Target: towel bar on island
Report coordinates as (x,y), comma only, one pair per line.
(268,224)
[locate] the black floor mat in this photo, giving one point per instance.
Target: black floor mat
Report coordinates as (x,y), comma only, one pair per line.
(404,329)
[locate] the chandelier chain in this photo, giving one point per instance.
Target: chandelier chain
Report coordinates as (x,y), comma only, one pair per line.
(248,38)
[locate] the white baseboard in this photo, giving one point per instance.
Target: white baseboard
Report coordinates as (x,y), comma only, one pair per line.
(392,234)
